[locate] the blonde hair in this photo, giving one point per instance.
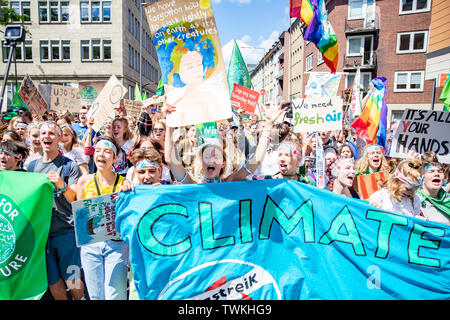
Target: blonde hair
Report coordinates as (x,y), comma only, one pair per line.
(411,169)
(362,164)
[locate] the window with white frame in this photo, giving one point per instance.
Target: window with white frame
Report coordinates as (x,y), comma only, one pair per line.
(24,52)
(319,58)
(357,45)
(54,50)
(21,8)
(309,62)
(408,81)
(414,6)
(96,50)
(92,11)
(363,81)
(53,11)
(361,9)
(411,42)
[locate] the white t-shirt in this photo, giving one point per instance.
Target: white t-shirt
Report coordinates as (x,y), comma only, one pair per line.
(269,166)
(406,206)
(76,154)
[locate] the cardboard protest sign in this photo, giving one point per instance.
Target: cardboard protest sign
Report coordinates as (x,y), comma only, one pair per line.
(187,44)
(153,100)
(30,95)
(317,114)
(89,91)
(242,97)
(322,84)
(422,131)
(65,99)
(45,89)
(106,101)
(131,107)
(95,219)
(367,184)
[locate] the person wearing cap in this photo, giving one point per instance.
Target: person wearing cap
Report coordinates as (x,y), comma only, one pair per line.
(435,201)
(399,195)
(12,153)
(62,254)
(105,262)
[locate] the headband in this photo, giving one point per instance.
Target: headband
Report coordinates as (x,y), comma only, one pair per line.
(15,155)
(108,144)
(431,165)
(400,176)
(49,125)
(146,163)
(21,125)
(371,148)
(65,125)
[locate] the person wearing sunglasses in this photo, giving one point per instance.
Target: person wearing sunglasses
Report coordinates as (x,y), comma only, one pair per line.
(159,132)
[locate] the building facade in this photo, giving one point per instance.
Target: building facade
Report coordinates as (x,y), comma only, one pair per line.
(297,50)
(84,40)
(382,38)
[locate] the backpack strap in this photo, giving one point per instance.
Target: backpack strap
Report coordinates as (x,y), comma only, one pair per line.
(31,166)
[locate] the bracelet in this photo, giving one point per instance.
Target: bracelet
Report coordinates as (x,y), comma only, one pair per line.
(63,189)
(184,178)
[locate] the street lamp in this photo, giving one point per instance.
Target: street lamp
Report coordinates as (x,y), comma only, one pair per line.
(14,34)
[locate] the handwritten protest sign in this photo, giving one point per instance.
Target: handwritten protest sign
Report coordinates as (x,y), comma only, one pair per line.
(131,107)
(422,131)
(242,97)
(95,219)
(65,99)
(317,114)
(367,184)
(30,95)
(277,239)
(45,89)
(106,101)
(206,133)
(187,44)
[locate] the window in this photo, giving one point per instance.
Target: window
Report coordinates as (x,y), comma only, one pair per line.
(96,50)
(53,11)
(409,81)
(95,11)
(414,6)
(361,9)
(358,45)
(54,50)
(319,58)
(364,80)
(24,52)
(309,62)
(410,42)
(21,8)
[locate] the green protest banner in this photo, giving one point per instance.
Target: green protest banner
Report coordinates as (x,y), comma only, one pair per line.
(237,70)
(24,224)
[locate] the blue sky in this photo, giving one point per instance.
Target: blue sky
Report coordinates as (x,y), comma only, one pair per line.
(252,23)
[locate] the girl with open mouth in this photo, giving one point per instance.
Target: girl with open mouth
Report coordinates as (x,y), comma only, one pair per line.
(342,175)
(372,160)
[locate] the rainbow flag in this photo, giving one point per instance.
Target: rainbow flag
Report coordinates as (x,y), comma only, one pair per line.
(295,7)
(371,124)
(319,30)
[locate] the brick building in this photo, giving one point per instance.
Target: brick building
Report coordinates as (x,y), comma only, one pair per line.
(386,38)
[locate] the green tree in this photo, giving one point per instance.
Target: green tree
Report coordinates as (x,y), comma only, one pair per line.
(8,15)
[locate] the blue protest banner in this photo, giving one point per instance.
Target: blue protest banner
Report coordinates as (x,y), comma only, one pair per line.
(277,239)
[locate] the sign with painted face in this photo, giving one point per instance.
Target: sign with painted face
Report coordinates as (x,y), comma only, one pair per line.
(277,239)
(30,95)
(187,44)
(317,114)
(24,225)
(422,131)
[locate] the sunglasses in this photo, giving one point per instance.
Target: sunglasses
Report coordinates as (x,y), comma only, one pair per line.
(158,130)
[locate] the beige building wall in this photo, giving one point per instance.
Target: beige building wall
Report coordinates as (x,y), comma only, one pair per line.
(76,70)
(297,46)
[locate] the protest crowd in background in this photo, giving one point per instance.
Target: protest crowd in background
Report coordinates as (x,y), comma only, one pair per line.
(131,151)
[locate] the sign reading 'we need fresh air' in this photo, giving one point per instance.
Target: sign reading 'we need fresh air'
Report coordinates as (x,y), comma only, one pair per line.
(317,114)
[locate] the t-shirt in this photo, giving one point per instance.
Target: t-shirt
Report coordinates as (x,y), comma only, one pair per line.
(81,130)
(432,213)
(62,217)
(76,154)
(406,206)
(122,164)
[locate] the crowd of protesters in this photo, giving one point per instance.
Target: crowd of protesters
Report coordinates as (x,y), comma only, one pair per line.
(82,163)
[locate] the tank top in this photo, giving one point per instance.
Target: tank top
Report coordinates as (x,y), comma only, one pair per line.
(94,189)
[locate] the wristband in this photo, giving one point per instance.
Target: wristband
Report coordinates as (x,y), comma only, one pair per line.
(64,188)
(89,151)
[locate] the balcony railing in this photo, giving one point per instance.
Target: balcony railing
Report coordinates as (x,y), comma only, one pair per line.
(366,24)
(368,60)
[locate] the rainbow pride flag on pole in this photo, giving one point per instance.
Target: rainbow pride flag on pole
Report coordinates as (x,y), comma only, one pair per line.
(371,124)
(319,30)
